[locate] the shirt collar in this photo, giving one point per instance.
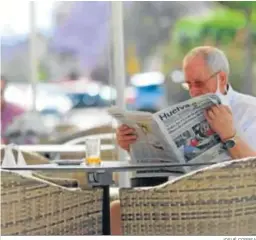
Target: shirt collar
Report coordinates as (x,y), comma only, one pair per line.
(230,94)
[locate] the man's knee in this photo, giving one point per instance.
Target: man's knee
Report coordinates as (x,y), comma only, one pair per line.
(115,218)
(115,207)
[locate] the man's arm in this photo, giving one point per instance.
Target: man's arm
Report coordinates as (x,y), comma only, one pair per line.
(220,120)
(241,149)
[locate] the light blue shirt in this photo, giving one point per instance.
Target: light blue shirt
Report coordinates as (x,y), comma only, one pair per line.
(243,108)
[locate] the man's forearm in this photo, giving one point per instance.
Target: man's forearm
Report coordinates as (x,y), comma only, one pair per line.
(241,150)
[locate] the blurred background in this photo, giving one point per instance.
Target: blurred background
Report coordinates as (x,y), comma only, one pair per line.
(57,59)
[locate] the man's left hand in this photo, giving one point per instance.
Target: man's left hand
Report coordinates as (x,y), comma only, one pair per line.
(220,120)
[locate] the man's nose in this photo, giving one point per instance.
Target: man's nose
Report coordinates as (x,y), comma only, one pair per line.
(194,92)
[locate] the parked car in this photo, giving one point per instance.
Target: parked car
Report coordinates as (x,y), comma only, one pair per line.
(50,98)
(149,91)
(85,93)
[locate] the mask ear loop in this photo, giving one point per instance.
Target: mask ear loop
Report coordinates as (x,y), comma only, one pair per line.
(218,85)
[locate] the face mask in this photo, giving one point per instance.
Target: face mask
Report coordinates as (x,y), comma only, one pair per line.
(224,98)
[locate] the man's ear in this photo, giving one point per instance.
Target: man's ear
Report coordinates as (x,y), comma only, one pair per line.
(223,81)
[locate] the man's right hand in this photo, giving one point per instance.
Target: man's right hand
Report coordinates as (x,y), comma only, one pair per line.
(125,136)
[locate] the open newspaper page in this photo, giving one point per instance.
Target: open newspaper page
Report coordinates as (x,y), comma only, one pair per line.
(189,133)
(151,145)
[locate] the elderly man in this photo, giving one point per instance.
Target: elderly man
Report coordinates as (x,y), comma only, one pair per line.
(206,70)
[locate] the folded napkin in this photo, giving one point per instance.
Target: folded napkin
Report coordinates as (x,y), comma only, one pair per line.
(9,160)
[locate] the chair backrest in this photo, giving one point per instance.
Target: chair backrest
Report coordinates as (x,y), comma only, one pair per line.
(88,132)
(31,206)
(106,138)
(217,200)
(105,132)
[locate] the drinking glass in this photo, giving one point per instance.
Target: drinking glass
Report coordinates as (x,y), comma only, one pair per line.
(92,151)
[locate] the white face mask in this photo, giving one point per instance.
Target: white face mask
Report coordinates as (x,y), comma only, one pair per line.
(224,98)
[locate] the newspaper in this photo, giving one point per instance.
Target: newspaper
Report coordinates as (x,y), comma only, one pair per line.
(177,134)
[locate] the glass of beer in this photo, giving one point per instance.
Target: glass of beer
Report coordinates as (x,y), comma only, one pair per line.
(92,151)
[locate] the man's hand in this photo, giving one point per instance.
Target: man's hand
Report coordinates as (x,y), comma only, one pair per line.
(125,137)
(220,120)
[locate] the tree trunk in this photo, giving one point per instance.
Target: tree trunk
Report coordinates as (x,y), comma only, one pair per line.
(248,75)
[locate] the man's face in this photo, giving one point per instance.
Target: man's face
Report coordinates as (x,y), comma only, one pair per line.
(199,78)
(204,127)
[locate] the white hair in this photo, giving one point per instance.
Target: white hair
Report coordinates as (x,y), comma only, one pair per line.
(215,59)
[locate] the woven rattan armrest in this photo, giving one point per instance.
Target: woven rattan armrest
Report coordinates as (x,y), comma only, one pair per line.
(33,206)
(65,182)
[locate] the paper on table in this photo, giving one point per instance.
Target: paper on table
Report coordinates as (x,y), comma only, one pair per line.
(9,159)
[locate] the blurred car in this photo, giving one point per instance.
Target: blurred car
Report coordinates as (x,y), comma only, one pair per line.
(50,98)
(149,93)
(85,93)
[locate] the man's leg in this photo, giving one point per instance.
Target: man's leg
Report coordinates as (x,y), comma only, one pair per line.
(115,218)
(147,181)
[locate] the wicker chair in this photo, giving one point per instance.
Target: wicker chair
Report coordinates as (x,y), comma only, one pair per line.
(217,200)
(63,178)
(32,206)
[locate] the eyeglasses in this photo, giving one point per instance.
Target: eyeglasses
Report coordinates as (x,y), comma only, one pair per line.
(200,84)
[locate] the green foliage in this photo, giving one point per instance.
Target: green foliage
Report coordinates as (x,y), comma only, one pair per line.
(222,25)
(239,5)
(224,28)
